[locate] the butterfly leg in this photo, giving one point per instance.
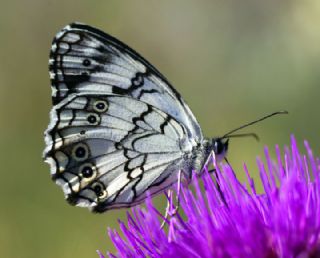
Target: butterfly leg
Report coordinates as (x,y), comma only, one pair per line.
(175,209)
(172,210)
(169,199)
(218,185)
(212,159)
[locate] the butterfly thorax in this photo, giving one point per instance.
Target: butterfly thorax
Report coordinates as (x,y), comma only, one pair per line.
(201,153)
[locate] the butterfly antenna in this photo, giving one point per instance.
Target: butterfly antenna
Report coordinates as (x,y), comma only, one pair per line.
(254,135)
(230,134)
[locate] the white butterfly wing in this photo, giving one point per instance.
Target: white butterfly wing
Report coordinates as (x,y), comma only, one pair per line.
(85,59)
(118,129)
(106,151)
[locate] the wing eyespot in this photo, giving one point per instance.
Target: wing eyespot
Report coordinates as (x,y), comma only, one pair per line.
(86,62)
(87,171)
(100,190)
(80,152)
(100,106)
(93,119)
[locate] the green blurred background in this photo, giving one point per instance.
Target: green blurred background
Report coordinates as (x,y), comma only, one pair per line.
(233,61)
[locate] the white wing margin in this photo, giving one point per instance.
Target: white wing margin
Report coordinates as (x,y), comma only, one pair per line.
(107,151)
(84,59)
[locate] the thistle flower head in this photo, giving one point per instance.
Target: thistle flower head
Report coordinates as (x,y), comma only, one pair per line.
(282,221)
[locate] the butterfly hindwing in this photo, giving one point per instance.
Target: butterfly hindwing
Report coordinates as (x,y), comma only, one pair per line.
(106,151)
(86,60)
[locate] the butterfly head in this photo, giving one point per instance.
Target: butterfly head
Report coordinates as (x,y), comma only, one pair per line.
(220,147)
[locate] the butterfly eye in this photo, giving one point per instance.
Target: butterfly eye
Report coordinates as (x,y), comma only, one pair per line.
(100,190)
(218,147)
(93,119)
(100,106)
(87,170)
(86,62)
(80,152)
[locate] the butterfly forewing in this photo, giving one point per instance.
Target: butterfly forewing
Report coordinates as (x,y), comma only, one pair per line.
(118,129)
(84,59)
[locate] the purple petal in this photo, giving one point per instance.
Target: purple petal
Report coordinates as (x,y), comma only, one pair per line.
(282,221)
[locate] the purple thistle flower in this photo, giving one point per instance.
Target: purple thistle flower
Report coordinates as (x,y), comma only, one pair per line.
(284,221)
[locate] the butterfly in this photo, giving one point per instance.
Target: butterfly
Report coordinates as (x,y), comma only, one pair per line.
(118,129)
